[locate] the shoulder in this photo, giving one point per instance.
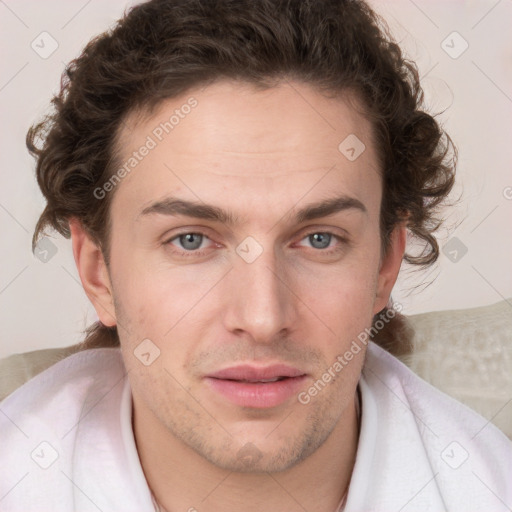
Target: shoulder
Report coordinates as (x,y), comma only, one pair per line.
(423,398)
(470,458)
(65,421)
(71,378)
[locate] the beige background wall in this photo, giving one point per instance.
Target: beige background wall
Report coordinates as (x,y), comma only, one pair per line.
(43,304)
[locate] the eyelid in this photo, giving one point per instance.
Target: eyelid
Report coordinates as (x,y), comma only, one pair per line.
(171,234)
(325,229)
(169,239)
(340,238)
(339,233)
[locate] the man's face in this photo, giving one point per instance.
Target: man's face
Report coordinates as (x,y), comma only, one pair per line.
(257,297)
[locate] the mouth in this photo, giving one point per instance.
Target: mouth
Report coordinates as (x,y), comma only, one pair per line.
(257,387)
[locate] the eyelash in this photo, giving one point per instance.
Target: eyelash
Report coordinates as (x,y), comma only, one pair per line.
(199,253)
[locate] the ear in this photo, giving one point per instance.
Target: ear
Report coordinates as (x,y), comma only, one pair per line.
(390,266)
(93,273)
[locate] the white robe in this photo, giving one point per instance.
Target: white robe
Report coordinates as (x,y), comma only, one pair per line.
(66,444)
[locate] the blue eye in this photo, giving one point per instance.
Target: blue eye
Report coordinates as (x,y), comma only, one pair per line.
(320,240)
(189,241)
(195,244)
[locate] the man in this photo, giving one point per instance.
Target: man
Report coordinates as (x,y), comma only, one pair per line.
(238,178)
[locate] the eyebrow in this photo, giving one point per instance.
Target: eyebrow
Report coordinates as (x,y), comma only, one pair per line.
(174,206)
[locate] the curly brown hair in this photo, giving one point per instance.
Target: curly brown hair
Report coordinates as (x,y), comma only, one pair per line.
(163,48)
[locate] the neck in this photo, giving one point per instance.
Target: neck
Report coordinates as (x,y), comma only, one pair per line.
(180,479)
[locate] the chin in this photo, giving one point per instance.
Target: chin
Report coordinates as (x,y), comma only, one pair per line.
(265,457)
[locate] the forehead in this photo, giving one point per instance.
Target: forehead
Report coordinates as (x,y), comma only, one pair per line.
(294,111)
(276,142)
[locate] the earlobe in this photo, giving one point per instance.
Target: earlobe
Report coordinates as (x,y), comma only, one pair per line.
(390,266)
(93,273)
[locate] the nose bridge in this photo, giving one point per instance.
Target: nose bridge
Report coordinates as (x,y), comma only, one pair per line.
(261,302)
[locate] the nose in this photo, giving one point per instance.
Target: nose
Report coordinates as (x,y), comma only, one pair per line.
(260,302)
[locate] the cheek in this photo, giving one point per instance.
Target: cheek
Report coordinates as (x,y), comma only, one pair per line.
(145,283)
(147,302)
(164,304)
(342,297)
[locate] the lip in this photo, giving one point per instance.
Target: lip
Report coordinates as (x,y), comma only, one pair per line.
(242,385)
